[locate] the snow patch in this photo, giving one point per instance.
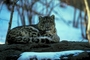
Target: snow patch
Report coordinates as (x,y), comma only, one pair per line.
(47,55)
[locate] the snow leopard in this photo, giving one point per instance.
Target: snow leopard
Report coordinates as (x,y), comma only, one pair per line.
(42,32)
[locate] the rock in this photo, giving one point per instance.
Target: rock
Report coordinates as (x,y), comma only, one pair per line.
(13,51)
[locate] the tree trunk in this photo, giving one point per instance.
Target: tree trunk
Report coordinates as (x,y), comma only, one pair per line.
(10,22)
(88,24)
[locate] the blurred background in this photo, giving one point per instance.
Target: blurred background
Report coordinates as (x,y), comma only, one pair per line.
(71,16)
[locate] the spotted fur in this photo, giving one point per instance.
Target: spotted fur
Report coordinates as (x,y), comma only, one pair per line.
(43,32)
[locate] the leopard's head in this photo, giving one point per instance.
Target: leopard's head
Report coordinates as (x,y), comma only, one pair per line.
(46,23)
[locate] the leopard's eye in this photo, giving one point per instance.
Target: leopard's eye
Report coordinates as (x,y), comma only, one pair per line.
(43,22)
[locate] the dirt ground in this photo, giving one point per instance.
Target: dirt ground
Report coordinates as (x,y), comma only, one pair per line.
(13,51)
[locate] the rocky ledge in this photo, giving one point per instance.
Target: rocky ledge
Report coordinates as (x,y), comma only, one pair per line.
(13,51)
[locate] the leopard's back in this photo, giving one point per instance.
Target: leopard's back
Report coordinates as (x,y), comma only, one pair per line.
(22,34)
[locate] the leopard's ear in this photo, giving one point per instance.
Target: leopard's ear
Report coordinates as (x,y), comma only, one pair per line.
(40,18)
(53,17)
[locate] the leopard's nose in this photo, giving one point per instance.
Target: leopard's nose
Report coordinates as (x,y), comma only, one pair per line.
(47,25)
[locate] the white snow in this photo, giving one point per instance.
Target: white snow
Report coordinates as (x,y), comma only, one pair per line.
(47,55)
